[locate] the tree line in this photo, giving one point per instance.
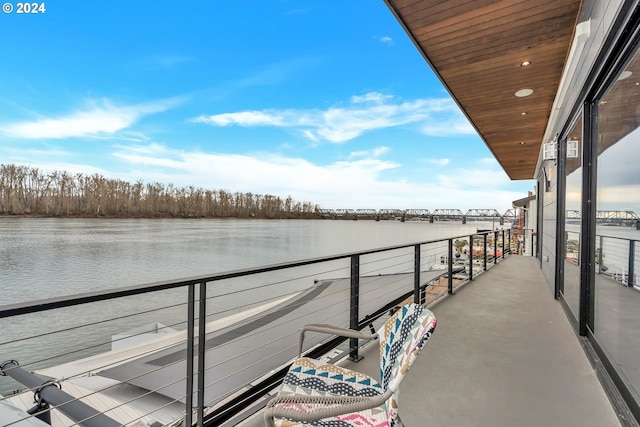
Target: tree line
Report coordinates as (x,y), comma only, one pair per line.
(29,191)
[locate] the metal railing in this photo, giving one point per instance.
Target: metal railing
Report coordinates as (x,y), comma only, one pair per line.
(618,258)
(233,334)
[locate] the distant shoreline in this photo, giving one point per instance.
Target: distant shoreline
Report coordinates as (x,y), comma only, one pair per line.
(168,216)
(322,216)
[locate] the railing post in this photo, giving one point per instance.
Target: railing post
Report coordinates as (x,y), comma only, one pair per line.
(495,247)
(484,251)
(532,236)
(503,243)
(202,326)
(355,302)
(471,257)
(450,266)
(188,419)
(632,250)
(506,243)
(512,241)
(600,255)
(416,275)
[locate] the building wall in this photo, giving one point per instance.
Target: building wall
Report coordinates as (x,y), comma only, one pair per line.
(530,224)
(601,16)
(549,209)
(597,109)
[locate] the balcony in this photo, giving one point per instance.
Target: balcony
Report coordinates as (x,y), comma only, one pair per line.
(503,354)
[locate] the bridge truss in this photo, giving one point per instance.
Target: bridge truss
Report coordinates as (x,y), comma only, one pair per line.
(621,216)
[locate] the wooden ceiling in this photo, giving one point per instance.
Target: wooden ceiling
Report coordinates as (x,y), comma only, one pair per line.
(477,48)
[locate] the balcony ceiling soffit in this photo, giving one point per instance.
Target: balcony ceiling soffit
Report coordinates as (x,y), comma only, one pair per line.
(478,47)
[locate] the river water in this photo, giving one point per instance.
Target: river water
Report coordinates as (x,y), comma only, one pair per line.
(48,257)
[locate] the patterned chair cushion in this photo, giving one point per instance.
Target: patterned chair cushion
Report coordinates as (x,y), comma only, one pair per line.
(311,377)
(402,338)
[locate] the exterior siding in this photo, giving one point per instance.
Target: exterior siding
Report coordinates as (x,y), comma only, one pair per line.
(602,15)
(549,232)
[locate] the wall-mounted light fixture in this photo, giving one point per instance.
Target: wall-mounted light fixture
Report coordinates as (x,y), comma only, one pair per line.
(547,178)
(550,150)
(572,149)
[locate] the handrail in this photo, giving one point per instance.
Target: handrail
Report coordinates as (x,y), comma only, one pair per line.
(630,274)
(628,277)
(88,297)
(47,393)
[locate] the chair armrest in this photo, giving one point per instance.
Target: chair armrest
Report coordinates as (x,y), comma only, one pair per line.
(288,406)
(332,330)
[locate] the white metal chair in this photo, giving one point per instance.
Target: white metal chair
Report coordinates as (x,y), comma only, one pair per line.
(314,393)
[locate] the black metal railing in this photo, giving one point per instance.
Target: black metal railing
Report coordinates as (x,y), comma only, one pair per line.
(617,257)
(353,289)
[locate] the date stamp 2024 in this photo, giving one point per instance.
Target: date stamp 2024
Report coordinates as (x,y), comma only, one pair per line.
(32,8)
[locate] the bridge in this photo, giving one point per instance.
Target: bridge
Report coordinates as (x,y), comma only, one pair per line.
(421,214)
(511,214)
(623,217)
(606,217)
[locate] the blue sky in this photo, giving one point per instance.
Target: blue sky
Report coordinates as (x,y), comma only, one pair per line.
(325,101)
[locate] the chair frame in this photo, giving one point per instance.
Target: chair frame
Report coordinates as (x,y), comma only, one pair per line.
(335,405)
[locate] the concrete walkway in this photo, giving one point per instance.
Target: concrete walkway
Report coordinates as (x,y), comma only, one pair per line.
(503,354)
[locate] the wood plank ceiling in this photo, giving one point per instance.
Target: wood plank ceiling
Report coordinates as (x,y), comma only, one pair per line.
(478,47)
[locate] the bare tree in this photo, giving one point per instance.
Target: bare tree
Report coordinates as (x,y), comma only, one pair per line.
(25,190)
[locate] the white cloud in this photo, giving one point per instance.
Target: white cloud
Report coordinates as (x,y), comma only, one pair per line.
(452,125)
(438,116)
(17,154)
(310,135)
(96,118)
(376,152)
(375,97)
(353,184)
(244,118)
(480,176)
(386,40)
(48,166)
(438,162)
(361,181)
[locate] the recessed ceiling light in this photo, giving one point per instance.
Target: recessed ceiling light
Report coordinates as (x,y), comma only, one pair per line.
(525,63)
(524,113)
(523,143)
(523,92)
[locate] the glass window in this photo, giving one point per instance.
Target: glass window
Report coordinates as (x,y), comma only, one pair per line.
(573,201)
(617,294)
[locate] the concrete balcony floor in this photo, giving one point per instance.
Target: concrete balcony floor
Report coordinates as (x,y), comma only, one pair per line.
(503,354)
